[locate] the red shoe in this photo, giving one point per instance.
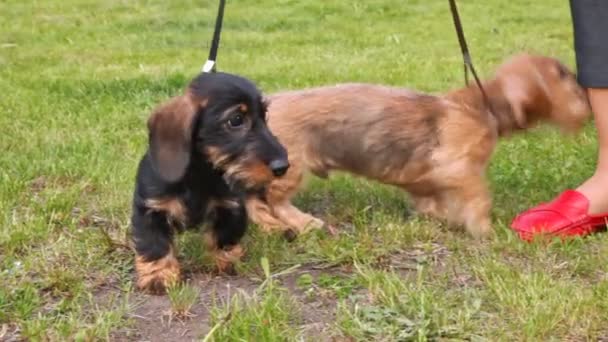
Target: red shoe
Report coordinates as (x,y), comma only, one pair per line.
(564,216)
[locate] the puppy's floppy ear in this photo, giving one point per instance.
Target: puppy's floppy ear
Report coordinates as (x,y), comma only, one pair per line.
(170,137)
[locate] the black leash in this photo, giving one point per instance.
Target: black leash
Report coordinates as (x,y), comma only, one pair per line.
(466,56)
(215,43)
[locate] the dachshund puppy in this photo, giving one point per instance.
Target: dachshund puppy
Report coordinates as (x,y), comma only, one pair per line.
(207,148)
(436,148)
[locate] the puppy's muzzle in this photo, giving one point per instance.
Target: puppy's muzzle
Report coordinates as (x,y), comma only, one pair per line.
(279,167)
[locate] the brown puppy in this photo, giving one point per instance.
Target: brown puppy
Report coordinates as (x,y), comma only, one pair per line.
(436,148)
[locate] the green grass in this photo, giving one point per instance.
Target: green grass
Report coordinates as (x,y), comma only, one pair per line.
(406,308)
(182,297)
(78,79)
(269,314)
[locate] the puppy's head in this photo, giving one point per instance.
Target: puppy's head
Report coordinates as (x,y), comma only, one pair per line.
(222,119)
(540,88)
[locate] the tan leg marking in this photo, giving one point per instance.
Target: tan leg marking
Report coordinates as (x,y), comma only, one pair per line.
(155,276)
(225,258)
(173,207)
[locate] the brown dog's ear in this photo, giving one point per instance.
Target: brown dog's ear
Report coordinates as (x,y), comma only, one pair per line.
(559,70)
(170,137)
(518,93)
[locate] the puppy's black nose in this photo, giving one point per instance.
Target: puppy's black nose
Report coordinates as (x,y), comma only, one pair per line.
(279,167)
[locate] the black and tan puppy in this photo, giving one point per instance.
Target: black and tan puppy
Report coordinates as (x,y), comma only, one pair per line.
(436,147)
(207,148)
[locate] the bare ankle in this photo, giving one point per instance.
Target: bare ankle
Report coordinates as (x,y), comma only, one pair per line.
(594,189)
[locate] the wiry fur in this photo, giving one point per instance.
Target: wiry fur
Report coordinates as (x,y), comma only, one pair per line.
(197,169)
(437,148)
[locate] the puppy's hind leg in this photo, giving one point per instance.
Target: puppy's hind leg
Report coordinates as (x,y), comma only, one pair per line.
(228,227)
(155,261)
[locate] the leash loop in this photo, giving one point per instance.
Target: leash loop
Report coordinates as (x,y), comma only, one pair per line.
(466,55)
(209,65)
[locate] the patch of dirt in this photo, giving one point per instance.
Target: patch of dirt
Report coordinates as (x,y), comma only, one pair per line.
(316,302)
(93,219)
(406,261)
(153,322)
(317,305)
(37,185)
(43,182)
(9,333)
(575,338)
(152,314)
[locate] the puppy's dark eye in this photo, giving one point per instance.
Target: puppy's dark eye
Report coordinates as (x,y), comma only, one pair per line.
(236,120)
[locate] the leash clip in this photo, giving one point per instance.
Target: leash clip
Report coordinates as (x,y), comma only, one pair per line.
(209,66)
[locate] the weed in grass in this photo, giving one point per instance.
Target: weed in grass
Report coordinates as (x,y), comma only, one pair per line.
(96,323)
(304,281)
(398,309)
(37,328)
(269,314)
(25,300)
(341,286)
(182,297)
(195,257)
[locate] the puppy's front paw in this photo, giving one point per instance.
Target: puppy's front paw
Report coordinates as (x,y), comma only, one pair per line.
(155,276)
(227,257)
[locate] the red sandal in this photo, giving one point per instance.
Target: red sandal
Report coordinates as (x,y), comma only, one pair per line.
(564,216)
